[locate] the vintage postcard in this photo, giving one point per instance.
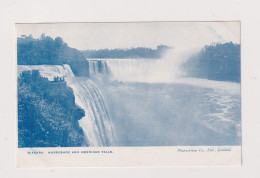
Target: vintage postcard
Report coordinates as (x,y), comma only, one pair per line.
(128,94)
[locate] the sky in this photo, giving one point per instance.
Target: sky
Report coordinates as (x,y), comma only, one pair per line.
(188,35)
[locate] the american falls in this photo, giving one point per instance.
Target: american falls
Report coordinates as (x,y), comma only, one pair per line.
(96,124)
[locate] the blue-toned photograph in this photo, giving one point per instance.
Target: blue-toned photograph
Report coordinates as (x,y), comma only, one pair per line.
(128,84)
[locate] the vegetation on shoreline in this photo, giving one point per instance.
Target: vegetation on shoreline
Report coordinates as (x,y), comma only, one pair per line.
(216,62)
(139,52)
(47,113)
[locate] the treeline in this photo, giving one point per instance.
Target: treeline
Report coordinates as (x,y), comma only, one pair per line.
(216,62)
(139,52)
(49,51)
(47,113)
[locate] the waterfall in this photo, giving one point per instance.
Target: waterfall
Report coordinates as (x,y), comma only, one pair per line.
(128,70)
(96,124)
(164,70)
(97,67)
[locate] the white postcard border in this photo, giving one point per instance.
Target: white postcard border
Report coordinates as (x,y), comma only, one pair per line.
(129,156)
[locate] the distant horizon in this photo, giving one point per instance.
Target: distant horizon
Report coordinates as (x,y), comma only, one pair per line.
(94,36)
(132,47)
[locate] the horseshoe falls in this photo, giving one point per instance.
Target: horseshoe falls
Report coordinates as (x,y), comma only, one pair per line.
(133,70)
(96,124)
(163,70)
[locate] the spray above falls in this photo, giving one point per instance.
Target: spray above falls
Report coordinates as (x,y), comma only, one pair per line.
(163,70)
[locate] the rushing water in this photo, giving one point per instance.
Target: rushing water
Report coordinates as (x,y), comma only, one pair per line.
(146,114)
(148,110)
